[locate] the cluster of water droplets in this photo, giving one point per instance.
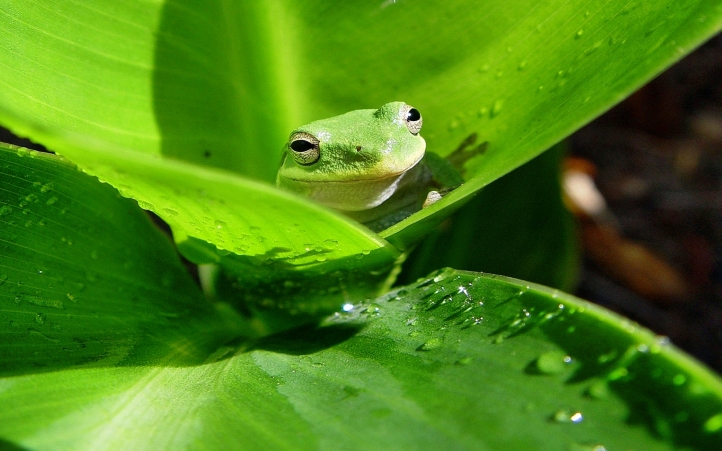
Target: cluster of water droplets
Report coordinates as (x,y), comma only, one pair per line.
(40,294)
(587,40)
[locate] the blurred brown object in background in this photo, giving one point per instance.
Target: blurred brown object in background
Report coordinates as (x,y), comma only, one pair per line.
(629,263)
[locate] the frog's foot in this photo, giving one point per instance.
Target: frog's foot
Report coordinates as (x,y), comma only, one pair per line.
(431,198)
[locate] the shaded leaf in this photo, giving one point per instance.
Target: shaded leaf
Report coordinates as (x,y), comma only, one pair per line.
(85,278)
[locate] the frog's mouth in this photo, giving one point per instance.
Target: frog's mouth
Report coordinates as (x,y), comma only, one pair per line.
(357,194)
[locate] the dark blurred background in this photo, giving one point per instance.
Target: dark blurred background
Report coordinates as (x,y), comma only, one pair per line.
(656,158)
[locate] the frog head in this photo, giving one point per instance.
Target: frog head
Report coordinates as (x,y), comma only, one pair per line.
(354,161)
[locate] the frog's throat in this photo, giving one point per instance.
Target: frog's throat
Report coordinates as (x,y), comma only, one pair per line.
(354,195)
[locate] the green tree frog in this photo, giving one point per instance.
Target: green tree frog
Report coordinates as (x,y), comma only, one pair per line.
(368,164)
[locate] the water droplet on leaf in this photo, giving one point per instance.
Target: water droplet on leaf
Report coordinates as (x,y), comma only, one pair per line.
(713,424)
(431,344)
(567,416)
(496,107)
(552,362)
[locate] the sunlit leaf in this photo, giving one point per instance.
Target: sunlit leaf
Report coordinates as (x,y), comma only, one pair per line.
(221,84)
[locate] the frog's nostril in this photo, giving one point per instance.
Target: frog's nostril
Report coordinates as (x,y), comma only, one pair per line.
(358,148)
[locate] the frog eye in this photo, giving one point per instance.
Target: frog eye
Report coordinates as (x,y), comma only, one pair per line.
(304,148)
(413,119)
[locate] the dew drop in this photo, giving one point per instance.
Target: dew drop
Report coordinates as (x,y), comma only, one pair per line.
(567,416)
(5,210)
(431,344)
(3,278)
(40,318)
(51,201)
(46,188)
(496,107)
(145,205)
(464,361)
(618,374)
(598,390)
(30,199)
(713,424)
(521,66)
(23,152)
(219,224)
(679,379)
(43,302)
(579,34)
(552,362)
(170,212)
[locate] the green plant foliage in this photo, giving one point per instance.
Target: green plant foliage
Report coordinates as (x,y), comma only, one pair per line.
(458,361)
(221,84)
(85,278)
(106,342)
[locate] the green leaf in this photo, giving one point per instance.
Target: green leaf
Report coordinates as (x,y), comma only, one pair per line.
(517,226)
(85,278)
(458,361)
(220,84)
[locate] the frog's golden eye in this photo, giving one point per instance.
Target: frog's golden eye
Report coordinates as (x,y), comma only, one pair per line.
(413,119)
(304,148)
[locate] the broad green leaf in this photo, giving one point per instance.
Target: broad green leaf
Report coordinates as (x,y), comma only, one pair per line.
(459,361)
(86,279)
(517,226)
(235,214)
(221,83)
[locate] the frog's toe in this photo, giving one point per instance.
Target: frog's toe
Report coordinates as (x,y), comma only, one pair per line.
(431,198)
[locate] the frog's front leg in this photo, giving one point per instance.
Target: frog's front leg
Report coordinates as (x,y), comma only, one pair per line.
(431,198)
(444,177)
